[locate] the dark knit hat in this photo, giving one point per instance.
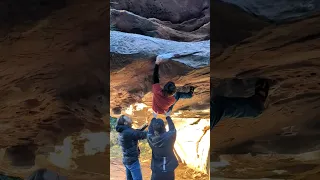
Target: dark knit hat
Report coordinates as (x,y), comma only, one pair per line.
(158,126)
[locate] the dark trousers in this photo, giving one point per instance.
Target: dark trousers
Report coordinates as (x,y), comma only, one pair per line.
(162,176)
(181,95)
(133,171)
(234,107)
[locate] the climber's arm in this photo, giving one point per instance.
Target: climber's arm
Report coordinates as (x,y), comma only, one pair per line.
(172,129)
(156,79)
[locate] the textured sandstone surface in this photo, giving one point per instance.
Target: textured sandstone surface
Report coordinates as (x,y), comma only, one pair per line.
(54,84)
(287,54)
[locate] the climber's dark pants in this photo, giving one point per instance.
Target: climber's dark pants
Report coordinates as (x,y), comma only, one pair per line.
(181,95)
(233,107)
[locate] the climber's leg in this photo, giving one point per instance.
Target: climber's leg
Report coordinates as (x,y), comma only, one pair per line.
(181,95)
(177,97)
(233,107)
(238,107)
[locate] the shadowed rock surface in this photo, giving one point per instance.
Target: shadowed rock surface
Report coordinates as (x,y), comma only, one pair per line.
(288,55)
(15,14)
(279,11)
(162,19)
(53,84)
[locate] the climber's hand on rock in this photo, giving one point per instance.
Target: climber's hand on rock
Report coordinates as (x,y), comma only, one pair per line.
(159,60)
(164,57)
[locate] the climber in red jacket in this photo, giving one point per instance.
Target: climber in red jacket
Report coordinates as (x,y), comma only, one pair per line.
(165,98)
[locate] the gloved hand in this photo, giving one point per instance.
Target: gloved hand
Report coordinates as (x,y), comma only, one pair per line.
(167,113)
(154,114)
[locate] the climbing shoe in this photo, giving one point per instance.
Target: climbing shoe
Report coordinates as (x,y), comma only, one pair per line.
(262,89)
(192,88)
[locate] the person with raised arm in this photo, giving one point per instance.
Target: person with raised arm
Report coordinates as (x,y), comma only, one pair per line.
(164,161)
(128,140)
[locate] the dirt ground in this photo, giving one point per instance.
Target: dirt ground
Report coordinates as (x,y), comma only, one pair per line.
(118,172)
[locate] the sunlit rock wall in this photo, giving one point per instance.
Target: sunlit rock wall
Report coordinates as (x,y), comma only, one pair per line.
(193,142)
